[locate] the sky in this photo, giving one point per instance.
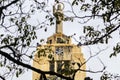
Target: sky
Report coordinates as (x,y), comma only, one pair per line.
(69,28)
(112,64)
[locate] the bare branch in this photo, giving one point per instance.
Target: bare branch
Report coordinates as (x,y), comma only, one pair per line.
(2,77)
(32,68)
(95,41)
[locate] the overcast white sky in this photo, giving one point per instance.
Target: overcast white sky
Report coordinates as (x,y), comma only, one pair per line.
(112,64)
(69,28)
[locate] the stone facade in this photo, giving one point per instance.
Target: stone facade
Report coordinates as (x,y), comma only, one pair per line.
(59,54)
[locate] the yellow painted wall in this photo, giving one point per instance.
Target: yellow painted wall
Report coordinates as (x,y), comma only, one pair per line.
(74,54)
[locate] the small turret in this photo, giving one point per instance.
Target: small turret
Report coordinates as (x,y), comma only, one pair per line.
(58,13)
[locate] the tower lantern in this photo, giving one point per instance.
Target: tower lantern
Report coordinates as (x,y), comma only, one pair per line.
(58,13)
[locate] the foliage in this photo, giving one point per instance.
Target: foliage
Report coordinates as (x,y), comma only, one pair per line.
(18,32)
(109,76)
(107,11)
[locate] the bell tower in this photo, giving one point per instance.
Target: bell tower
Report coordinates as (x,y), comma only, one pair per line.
(59,54)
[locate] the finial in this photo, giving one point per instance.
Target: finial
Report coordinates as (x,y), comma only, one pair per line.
(58,13)
(59,6)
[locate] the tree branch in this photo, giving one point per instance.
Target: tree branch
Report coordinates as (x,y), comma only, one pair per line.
(100,38)
(13,2)
(32,68)
(5,7)
(2,78)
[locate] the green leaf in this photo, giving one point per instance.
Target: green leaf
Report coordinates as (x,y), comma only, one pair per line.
(30,56)
(31,33)
(12,19)
(5,41)
(20,71)
(22,39)
(33,37)
(16,23)
(51,19)
(111,55)
(73,3)
(23,19)
(106,40)
(46,29)
(1,65)
(47,16)
(32,10)
(76,3)
(28,43)
(1,35)
(84,30)
(10,12)
(41,40)
(10,69)
(50,56)
(17,74)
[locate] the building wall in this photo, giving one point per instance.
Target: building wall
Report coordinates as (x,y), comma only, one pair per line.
(71,53)
(59,48)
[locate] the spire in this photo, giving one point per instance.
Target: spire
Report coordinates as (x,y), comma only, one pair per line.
(58,13)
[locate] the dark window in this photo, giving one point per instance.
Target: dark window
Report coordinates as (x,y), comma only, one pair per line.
(66,64)
(59,66)
(51,66)
(58,40)
(67,41)
(50,41)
